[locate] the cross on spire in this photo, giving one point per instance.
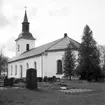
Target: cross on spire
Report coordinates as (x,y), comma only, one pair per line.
(25,7)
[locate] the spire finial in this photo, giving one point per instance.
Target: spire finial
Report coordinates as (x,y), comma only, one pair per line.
(25,17)
(25,7)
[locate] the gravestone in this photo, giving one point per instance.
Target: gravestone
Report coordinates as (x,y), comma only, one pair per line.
(31,79)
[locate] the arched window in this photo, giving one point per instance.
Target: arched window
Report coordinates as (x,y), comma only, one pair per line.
(15,69)
(59,67)
(27,47)
(35,65)
(27,66)
(21,71)
(11,70)
(18,47)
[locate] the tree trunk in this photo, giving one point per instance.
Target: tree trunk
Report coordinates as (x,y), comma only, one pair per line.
(70,77)
(0,73)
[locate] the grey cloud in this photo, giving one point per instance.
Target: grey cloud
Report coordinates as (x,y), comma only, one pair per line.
(15,17)
(61,1)
(3,20)
(10,45)
(33,11)
(1,46)
(60,12)
(1,3)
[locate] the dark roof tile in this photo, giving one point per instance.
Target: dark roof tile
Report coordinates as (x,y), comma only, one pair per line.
(25,35)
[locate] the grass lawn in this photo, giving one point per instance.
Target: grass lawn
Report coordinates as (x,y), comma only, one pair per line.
(46,95)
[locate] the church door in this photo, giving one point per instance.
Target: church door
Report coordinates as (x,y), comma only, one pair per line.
(21,71)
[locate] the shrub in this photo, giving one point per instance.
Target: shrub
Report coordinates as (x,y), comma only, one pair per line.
(45,79)
(8,82)
(57,79)
(50,79)
(31,79)
(54,78)
(23,80)
(39,79)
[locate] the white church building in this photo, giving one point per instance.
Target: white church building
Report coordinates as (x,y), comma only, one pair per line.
(46,59)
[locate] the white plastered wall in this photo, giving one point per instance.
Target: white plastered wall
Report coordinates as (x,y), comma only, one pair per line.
(50,63)
(46,65)
(30,61)
(23,43)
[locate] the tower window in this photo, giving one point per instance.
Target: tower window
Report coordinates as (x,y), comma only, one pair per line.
(18,47)
(11,70)
(21,71)
(27,47)
(35,65)
(15,69)
(27,66)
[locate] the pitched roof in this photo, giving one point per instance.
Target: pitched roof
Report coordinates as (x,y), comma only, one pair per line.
(60,44)
(25,35)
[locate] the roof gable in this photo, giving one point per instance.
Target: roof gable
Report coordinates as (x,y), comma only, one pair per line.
(59,44)
(63,44)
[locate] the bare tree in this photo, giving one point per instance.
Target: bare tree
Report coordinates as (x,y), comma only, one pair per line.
(3,62)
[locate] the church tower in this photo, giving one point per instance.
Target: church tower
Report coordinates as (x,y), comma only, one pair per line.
(25,40)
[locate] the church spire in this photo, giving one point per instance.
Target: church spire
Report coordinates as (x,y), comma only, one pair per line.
(25,17)
(25,23)
(25,34)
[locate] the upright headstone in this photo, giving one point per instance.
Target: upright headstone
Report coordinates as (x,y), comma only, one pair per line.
(8,81)
(31,79)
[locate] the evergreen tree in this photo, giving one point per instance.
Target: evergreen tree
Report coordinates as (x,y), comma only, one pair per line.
(69,62)
(89,57)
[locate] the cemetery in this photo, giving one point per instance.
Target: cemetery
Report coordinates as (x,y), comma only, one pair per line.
(50,91)
(75,76)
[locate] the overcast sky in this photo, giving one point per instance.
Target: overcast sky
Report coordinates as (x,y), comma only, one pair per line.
(50,19)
